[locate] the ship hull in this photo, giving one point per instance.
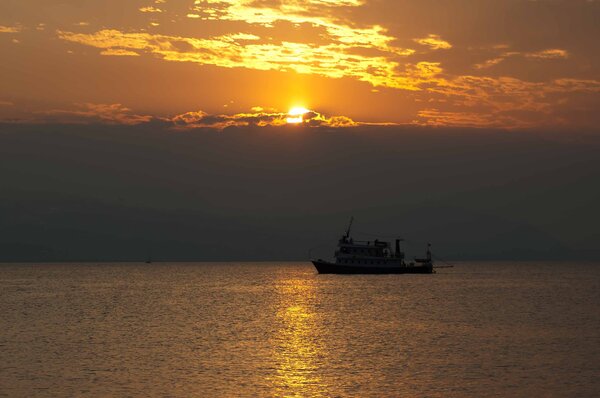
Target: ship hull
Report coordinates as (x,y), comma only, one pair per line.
(324,267)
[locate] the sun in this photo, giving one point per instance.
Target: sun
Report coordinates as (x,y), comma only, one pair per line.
(296,114)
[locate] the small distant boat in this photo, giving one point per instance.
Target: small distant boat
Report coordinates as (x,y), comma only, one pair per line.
(372,257)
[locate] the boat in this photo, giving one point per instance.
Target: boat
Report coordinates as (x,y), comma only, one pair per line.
(372,257)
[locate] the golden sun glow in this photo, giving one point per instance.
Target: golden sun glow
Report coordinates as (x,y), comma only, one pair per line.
(296,114)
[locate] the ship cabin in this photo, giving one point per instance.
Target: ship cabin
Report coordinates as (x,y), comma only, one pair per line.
(374,252)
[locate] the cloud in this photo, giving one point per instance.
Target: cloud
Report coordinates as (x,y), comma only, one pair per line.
(150,9)
(338,51)
(434,42)
(89,112)
(489,63)
(118,114)
(440,118)
(317,13)
(469,112)
(334,60)
(200,119)
(549,54)
(554,53)
(119,52)
(10,29)
(505,101)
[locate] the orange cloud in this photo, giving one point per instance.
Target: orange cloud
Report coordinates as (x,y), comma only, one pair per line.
(434,42)
(200,119)
(105,113)
(439,118)
(338,56)
(490,62)
(554,53)
(541,55)
(114,114)
(10,29)
(239,50)
(150,9)
(503,102)
(318,13)
(119,52)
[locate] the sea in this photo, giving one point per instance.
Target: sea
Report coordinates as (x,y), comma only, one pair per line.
(278,329)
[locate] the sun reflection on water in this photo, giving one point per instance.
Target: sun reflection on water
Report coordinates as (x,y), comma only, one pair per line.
(298,348)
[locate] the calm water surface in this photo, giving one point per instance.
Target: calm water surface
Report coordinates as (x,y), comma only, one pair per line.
(281,330)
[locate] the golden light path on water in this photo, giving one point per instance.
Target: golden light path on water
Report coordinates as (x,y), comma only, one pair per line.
(298,347)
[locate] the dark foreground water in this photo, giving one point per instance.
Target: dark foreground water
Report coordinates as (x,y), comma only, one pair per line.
(279,329)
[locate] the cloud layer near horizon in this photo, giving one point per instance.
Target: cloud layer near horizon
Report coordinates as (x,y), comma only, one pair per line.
(115,114)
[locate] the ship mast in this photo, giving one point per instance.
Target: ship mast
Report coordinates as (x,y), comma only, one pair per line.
(349,226)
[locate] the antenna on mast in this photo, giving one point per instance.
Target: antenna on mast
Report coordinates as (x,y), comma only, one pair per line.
(349,226)
(429,252)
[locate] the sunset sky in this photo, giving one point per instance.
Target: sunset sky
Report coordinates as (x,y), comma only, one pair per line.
(216,63)
(254,129)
